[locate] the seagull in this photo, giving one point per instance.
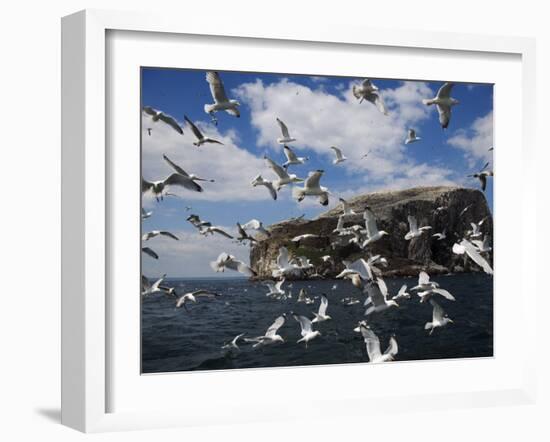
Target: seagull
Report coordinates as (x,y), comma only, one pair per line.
(275,288)
(222,103)
(283,266)
(467,247)
(368,91)
(339,156)
(321,315)
(286,138)
(378,297)
(482,246)
(224,260)
(444,103)
(271,335)
(259,181)
(414,230)
(291,157)
(411,137)
(256,225)
(232,345)
(306,329)
(213,229)
(159,115)
(439,318)
(147,236)
(373,234)
(302,297)
(349,301)
(402,293)
(157,187)
(373,346)
(145,214)
(424,282)
(284,176)
(150,252)
(243,236)
(150,289)
(192,297)
(428,294)
(476,229)
(482,176)
(440,236)
(346,209)
(201,139)
(197,222)
(312,188)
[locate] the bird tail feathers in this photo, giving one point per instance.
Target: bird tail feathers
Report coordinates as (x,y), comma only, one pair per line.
(428,102)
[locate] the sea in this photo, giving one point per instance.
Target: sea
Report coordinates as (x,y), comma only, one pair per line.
(174,340)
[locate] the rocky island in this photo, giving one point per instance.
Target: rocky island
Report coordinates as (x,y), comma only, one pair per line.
(449,209)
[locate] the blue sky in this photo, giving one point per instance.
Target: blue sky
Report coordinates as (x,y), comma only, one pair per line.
(319,112)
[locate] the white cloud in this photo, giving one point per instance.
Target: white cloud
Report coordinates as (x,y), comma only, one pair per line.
(476,140)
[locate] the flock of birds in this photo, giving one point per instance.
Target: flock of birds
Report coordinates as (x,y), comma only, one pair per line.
(364,274)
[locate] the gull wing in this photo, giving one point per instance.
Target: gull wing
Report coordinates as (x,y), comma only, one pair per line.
(323,306)
(337,151)
(146,185)
(458,249)
(177,179)
(239,266)
(252,224)
(168,234)
(377,100)
(444,115)
(445,90)
(438,312)
(413,224)
(170,121)
(174,166)
(281,173)
(279,284)
(233,111)
(220,231)
(444,293)
(370,223)
(145,284)
(423,278)
(392,348)
(216,87)
(150,252)
(375,294)
(284,129)
(313,179)
(272,191)
(305,324)
(363,268)
(372,342)
(402,290)
(202,293)
(383,287)
(289,153)
(198,134)
(157,283)
(150,111)
(475,256)
(272,330)
(412,134)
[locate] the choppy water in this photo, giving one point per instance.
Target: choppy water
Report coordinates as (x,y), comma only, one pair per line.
(180,340)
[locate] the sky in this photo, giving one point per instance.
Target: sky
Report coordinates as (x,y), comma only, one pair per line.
(320,112)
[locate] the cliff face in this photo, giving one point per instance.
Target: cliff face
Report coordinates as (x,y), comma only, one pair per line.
(439,207)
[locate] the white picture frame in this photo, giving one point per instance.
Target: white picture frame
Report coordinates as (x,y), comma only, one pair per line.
(86,315)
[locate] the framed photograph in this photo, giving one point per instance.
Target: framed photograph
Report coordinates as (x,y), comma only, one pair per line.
(307,210)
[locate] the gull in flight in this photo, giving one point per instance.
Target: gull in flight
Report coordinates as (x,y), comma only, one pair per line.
(275,288)
(482,176)
(302,297)
(213,229)
(159,115)
(482,246)
(373,346)
(259,181)
(440,236)
(283,266)
(243,235)
(222,103)
(321,315)
(444,102)
(346,209)
(378,297)
(402,293)
(232,345)
(284,177)
(201,139)
(197,222)
(339,155)
(414,230)
(366,155)
(411,137)
(150,289)
(427,288)
(306,329)
(424,282)
(467,247)
(373,234)
(192,297)
(439,318)
(147,236)
(157,187)
(476,229)
(256,225)
(312,187)
(226,261)
(368,91)
(286,138)
(359,324)
(428,294)
(145,214)
(271,335)
(291,157)
(150,252)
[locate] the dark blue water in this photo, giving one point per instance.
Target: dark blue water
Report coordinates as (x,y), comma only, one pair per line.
(180,340)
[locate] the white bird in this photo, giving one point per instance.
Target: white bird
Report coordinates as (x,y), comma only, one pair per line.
(428,294)
(259,181)
(424,282)
(225,260)
(286,138)
(377,299)
(373,346)
(283,266)
(275,289)
(271,335)
(284,177)
(145,214)
(197,222)
(482,246)
(213,229)
(402,293)
(201,139)
(414,230)
(150,289)
(411,137)
(157,188)
(256,225)
(440,236)
(307,331)
(439,318)
(150,252)
(346,209)
(467,247)
(359,324)
(222,103)
(373,234)
(482,176)
(321,315)
(291,157)
(368,91)
(339,155)
(444,102)
(465,209)
(243,235)
(165,118)
(312,187)
(192,297)
(305,236)
(476,229)
(147,236)
(232,345)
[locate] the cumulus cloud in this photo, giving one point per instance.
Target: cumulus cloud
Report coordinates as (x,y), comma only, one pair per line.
(476,140)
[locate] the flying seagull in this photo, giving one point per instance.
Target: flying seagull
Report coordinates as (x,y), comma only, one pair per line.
(411,137)
(377,300)
(222,103)
(179,170)
(373,234)
(283,265)
(197,222)
(232,345)
(157,187)
(428,294)
(414,230)
(286,138)
(402,294)
(346,209)
(439,318)
(284,177)
(373,346)
(321,314)
(147,236)
(339,156)
(270,336)
(201,139)
(424,282)
(368,91)
(260,181)
(159,115)
(243,235)
(210,230)
(150,252)
(312,188)
(145,214)
(482,246)
(275,288)
(467,247)
(291,157)
(444,102)
(482,176)
(192,297)
(226,261)
(150,289)
(306,329)
(256,225)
